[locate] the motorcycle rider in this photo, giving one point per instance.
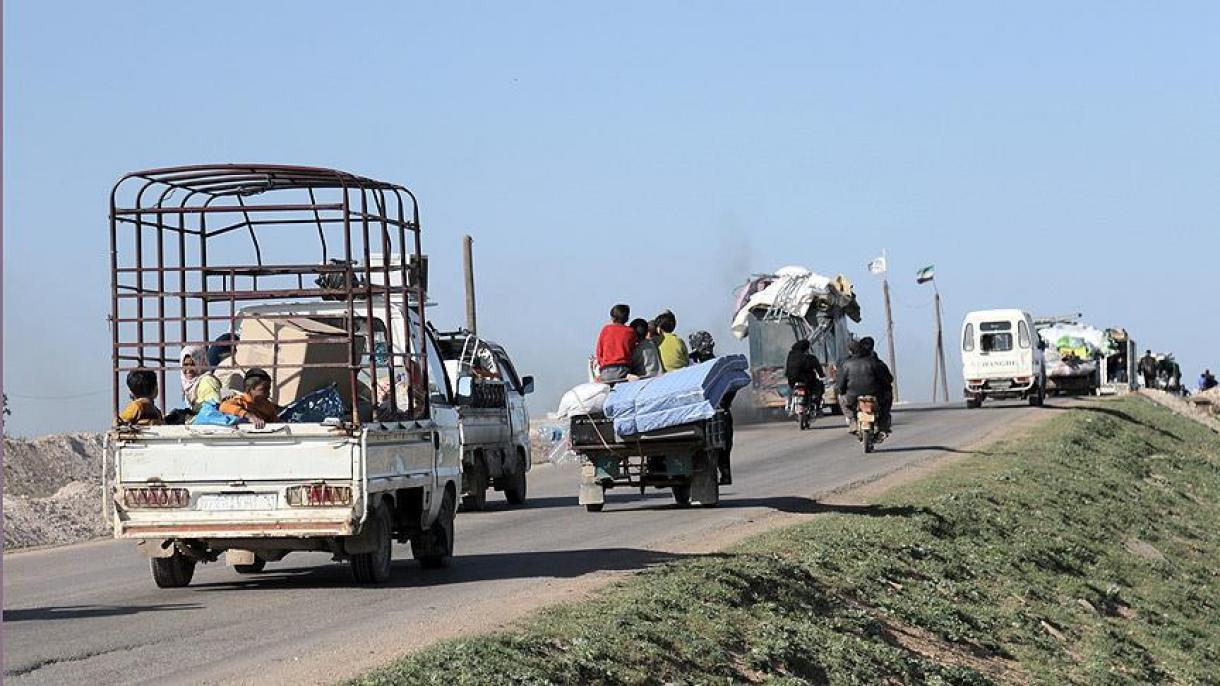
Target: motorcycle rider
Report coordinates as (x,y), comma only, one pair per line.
(865,374)
(803,366)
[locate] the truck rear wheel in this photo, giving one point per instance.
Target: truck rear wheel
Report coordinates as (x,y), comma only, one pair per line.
(974,403)
(174,571)
(1036,399)
(682,495)
(434,547)
(374,567)
(514,491)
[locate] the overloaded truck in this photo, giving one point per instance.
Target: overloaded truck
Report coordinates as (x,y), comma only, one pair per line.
(1082,359)
(773,311)
(493,417)
(367,448)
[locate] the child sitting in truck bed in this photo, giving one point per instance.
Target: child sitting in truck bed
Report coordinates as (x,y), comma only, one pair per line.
(141,411)
(255,404)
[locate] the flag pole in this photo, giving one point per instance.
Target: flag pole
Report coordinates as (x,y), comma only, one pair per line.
(889,321)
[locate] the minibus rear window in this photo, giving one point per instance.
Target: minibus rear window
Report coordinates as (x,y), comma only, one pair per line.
(995,342)
(968,338)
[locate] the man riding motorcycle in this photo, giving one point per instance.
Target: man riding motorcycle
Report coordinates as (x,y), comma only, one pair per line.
(803,366)
(865,374)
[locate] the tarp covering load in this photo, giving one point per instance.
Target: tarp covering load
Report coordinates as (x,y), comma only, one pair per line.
(1074,349)
(683,396)
(795,291)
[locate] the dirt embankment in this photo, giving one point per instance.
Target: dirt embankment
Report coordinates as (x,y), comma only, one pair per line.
(52,490)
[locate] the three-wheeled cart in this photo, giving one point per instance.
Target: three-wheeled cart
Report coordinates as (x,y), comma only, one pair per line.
(685,458)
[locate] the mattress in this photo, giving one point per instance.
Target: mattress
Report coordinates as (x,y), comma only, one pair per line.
(683,396)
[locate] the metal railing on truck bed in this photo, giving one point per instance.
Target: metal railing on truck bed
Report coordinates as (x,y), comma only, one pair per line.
(187,244)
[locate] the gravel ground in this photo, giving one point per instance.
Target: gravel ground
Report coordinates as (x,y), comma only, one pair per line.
(52,490)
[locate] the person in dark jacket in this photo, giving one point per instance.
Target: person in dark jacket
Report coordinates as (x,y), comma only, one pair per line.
(803,366)
(865,374)
(1147,367)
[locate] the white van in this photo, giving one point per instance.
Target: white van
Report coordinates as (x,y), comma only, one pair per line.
(1002,357)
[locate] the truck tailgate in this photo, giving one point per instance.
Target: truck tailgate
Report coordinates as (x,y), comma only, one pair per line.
(178,454)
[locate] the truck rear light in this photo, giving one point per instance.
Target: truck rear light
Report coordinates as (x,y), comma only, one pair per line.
(1022,379)
(156,497)
(319,495)
(974,382)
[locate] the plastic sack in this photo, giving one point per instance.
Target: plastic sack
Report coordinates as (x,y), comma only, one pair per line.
(587,398)
(210,414)
(315,408)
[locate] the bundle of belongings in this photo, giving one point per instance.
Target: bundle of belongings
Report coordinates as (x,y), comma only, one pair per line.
(682,396)
(1074,349)
(797,291)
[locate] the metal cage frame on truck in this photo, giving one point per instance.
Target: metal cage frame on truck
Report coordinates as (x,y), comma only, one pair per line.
(168,291)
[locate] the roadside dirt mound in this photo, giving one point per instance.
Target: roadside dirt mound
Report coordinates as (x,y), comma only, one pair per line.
(39,467)
(52,490)
(1186,407)
(71,515)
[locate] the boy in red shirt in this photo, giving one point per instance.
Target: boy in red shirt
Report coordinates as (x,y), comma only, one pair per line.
(615,344)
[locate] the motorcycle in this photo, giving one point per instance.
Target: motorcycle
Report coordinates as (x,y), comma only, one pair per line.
(804,406)
(866,422)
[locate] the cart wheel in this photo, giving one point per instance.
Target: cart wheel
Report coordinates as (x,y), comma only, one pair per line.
(595,507)
(682,495)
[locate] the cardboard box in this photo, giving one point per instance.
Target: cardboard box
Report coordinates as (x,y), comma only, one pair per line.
(267,343)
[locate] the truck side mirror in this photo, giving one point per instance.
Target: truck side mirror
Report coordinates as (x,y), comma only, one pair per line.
(527,385)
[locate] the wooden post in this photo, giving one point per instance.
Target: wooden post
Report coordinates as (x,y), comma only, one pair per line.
(468,268)
(889,333)
(940,352)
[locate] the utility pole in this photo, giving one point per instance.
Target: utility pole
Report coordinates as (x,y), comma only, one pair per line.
(889,323)
(940,351)
(468,268)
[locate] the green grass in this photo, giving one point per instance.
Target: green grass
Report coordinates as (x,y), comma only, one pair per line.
(1088,553)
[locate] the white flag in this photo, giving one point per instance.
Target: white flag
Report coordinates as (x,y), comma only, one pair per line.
(877,266)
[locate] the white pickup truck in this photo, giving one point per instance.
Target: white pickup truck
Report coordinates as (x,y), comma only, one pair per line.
(492,416)
(192,492)
(321,276)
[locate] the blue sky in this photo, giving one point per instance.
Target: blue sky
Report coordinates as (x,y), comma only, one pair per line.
(1061,157)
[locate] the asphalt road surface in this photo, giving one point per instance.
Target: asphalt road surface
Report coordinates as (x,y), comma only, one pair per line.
(90,613)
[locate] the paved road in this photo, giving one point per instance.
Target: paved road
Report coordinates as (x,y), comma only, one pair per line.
(90,613)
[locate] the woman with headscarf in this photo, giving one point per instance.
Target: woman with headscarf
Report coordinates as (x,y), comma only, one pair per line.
(199,384)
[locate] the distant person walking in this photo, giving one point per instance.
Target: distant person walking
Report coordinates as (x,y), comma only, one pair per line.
(1148,369)
(615,344)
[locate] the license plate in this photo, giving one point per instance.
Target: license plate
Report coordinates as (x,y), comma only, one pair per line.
(1001,384)
(225,502)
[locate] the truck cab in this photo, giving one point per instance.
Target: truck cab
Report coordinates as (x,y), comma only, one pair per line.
(492,417)
(1002,357)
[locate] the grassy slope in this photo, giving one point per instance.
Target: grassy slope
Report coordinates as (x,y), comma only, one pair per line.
(1085,555)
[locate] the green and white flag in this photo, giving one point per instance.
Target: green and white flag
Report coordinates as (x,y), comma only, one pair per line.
(926,274)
